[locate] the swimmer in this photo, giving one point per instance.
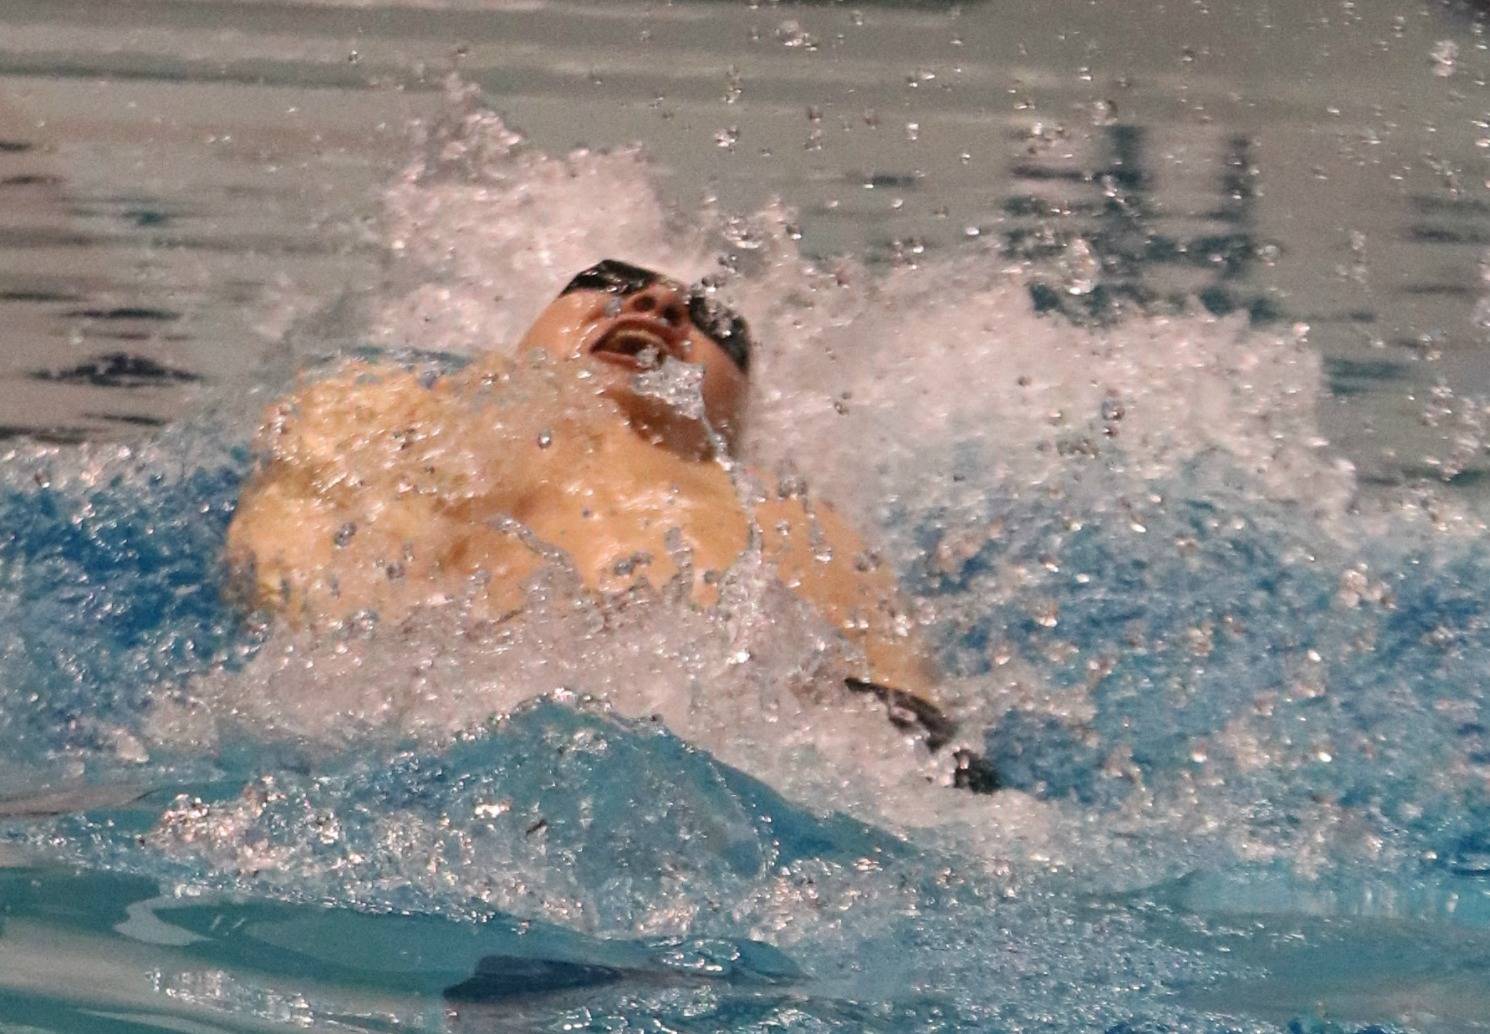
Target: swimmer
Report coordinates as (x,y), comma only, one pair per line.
(384,490)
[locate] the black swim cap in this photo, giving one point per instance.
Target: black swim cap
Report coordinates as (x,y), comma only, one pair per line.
(614,277)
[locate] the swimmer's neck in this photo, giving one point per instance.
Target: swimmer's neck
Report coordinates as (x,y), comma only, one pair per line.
(652,420)
(663,427)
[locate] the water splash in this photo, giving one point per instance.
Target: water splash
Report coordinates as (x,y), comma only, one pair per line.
(1219,683)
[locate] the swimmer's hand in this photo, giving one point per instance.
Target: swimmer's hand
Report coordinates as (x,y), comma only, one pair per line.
(908,711)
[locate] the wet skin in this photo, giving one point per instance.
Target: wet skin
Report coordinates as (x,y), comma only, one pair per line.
(381,491)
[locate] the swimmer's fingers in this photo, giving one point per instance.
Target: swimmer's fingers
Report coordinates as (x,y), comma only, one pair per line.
(973,772)
(906,710)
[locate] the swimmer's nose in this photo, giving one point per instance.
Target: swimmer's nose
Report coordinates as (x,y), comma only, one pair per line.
(660,301)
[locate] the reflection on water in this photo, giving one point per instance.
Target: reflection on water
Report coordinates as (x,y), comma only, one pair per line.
(1305,163)
(1120,249)
(123,266)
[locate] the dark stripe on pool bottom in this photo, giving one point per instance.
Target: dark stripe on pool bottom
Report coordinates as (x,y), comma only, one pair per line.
(38,296)
(118,370)
(1446,235)
(502,978)
(133,419)
(45,435)
(127,312)
(132,335)
(1438,291)
(69,801)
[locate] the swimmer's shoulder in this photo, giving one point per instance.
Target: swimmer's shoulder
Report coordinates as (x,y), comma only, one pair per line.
(321,402)
(331,415)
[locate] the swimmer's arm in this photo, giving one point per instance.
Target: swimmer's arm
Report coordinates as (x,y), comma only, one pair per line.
(307,499)
(825,562)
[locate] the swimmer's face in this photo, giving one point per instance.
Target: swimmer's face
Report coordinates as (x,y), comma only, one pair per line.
(622,320)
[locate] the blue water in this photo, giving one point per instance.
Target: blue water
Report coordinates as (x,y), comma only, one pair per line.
(1275,814)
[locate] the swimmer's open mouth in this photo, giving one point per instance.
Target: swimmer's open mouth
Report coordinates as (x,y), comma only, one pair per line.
(634,345)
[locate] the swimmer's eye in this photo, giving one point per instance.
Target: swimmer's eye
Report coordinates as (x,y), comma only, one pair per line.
(614,277)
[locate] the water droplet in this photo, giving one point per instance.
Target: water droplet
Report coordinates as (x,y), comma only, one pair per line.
(1082,268)
(1445,54)
(491,809)
(1104,112)
(791,34)
(815,132)
(1480,316)
(743,234)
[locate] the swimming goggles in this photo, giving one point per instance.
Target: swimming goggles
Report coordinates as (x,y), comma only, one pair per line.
(719,323)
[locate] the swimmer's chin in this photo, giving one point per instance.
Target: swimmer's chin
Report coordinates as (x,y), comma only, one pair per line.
(612,378)
(643,360)
(661,423)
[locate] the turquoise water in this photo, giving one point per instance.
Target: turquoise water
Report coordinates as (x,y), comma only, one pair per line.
(1277,819)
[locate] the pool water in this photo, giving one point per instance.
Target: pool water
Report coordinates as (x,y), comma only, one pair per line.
(1235,690)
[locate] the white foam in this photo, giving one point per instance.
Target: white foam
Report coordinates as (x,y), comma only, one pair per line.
(857,374)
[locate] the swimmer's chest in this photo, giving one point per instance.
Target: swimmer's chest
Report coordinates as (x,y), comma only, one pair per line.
(623,509)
